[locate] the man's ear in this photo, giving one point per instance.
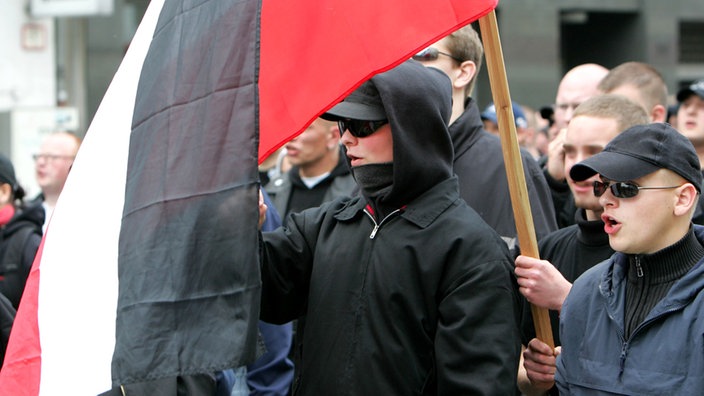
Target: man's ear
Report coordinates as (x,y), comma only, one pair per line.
(687,198)
(333,140)
(658,113)
(465,74)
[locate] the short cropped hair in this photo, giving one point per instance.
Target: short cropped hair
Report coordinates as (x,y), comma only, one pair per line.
(624,111)
(645,78)
(464,44)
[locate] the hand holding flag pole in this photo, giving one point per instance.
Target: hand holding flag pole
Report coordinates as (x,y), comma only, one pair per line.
(512,159)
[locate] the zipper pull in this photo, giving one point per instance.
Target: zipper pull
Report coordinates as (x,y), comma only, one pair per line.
(622,358)
(639,269)
(373,234)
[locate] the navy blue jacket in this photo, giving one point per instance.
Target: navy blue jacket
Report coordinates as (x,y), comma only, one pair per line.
(663,356)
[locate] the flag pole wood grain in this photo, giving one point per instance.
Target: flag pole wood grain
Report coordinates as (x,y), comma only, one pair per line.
(512,158)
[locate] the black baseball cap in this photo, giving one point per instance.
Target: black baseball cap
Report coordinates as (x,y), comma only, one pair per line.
(364,103)
(695,88)
(641,150)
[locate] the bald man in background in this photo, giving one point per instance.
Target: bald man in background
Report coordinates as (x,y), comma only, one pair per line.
(52,164)
(577,85)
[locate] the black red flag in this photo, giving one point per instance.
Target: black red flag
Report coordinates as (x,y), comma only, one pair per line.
(150,262)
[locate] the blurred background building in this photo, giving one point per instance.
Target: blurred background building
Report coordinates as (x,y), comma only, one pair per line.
(59,56)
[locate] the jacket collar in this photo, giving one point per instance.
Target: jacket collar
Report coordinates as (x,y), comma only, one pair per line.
(613,281)
(422,211)
(467,128)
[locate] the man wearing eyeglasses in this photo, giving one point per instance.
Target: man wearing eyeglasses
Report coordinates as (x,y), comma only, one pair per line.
(576,86)
(52,164)
(478,162)
(576,248)
(405,289)
(632,324)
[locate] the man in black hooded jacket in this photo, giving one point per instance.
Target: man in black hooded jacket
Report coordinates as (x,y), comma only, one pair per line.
(406,289)
(478,161)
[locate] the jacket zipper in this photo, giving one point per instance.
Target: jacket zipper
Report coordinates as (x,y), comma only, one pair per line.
(376,226)
(624,347)
(624,353)
(626,343)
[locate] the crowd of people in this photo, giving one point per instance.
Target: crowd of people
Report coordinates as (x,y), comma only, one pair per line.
(389,254)
(614,193)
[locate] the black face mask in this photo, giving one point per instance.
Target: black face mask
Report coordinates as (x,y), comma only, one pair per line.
(374,179)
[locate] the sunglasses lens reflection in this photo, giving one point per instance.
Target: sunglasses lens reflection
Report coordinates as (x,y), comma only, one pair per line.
(428,54)
(619,190)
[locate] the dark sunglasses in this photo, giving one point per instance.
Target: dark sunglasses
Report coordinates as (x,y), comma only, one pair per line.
(360,128)
(622,189)
(431,54)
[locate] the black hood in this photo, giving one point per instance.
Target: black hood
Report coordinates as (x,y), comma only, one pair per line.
(418,104)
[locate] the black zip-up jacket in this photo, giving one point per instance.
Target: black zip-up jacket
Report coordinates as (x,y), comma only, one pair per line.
(420,302)
(479,164)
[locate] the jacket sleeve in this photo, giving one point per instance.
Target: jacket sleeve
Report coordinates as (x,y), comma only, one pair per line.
(286,256)
(478,341)
(272,373)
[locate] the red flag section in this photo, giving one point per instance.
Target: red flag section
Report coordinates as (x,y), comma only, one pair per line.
(311,55)
(25,352)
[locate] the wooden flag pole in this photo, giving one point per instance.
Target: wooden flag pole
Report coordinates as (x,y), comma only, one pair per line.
(512,158)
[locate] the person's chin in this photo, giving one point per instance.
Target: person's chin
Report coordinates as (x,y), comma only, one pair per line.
(294,161)
(695,135)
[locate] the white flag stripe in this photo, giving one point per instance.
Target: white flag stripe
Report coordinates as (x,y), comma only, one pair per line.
(78,273)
